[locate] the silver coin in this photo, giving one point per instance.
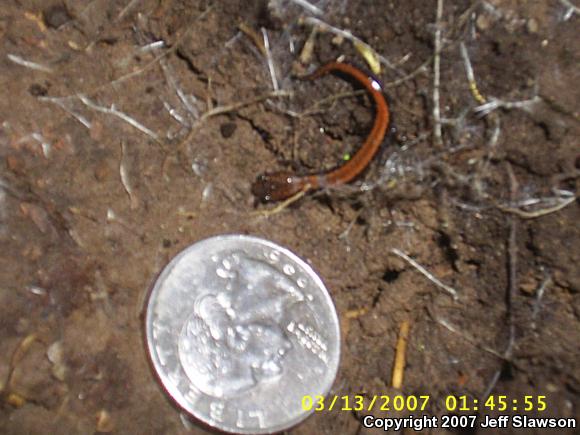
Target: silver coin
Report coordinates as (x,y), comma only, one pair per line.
(239,331)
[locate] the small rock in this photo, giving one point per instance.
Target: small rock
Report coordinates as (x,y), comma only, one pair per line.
(528,285)
(15,164)
(37,90)
(32,252)
(532,25)
(102,171)
(105,423)
(56,16)
(55,354)
(227,129)
(15,400)
(338,40)
(483,22)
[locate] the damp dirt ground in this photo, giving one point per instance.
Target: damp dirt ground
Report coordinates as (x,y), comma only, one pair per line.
(131,129)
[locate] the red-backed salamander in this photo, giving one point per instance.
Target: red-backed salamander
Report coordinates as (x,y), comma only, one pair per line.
(277,186)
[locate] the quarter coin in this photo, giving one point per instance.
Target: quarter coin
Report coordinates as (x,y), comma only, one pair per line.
(239,331)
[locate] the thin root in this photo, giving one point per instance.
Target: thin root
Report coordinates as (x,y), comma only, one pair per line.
(468,338)
(270,60)
(254,36)
(537,213)
(426,273)
(284,204)
(220,110)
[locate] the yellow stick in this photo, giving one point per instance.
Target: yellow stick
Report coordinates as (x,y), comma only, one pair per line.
(400,352)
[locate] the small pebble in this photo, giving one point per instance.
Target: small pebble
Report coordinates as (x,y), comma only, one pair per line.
(528,285)
(552,388)
(102,171)
(227,129)
(55,354)
(37,90)
(532,25)
(338,40)
(56,16)
(15,164)
(482,22)
(105,423)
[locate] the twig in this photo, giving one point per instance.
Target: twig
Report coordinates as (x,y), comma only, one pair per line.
(471,76)
(145,67)
(512,265)
(400,355)
(229,108)
(235,106)
(539,295)
(16,357)
(492,10)
(169,76)
(494,138)
(60,102)
(355,313)
(426,273)
(346,232)
(270,60)
(312,110)
(495,118)
(125,178)
(370,56)
(255,37)
(491,386)
(571,7)
(283,205)
(348,35)
(308,48)
(175,115)
(152,46)
(28,64)
(112,111)
(420,69)
(309,7)
(467,337)
(126,9)
(45,145)
(478,182)
(437,77)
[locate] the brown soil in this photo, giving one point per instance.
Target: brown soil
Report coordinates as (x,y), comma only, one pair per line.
(92,207)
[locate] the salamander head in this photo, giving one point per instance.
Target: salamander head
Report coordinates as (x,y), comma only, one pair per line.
(277,186)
